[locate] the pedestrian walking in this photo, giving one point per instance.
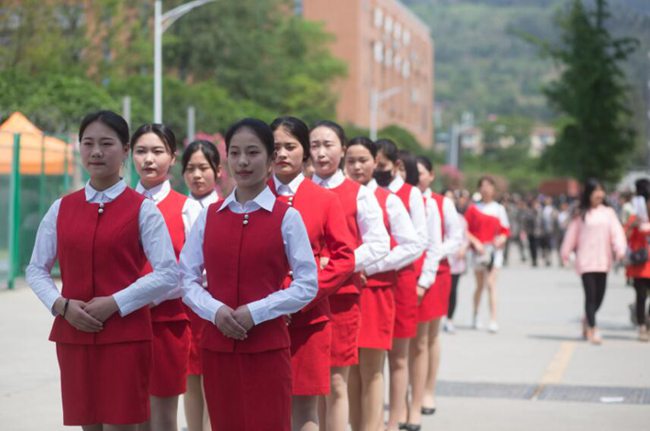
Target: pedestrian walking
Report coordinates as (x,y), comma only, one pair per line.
(102,236)
(638,269)
(596,237)
(532,225)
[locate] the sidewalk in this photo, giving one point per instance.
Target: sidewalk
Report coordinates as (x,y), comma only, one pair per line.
(536,374)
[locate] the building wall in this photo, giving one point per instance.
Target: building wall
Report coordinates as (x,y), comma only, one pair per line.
(385,46)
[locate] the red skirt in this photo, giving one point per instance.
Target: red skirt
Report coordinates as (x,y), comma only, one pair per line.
(196,325)
(171,348)
(105,383)
(346,319)
(406,304)
(310,358)
(435,303)
(377,318)
(248,391)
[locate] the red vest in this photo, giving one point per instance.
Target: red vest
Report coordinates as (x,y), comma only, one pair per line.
(245,261)
(347,193)
(320,211)
(443,266)
(388,278)
(172,210)
(99,255)
(404,193)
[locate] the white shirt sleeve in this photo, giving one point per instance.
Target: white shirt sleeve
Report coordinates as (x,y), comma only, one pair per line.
(432,259)
(503,217)
(407,249)
(418,217)
(375,240)
(190,212)
(454,231)
(304,285)
(158,248)
(37,273)
(192,266)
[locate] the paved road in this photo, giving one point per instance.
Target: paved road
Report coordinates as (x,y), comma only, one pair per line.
(536,374)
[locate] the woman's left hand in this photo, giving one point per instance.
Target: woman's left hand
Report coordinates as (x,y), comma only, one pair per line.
(101,307)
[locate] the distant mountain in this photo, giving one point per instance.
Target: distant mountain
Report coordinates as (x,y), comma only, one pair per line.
(483,67)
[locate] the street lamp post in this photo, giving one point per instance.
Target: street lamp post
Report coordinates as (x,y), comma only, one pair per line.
(161,23)
(376,97)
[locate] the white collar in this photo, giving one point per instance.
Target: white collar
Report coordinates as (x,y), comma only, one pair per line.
(329,183)
(157,193)
(265,199)
(293,184)
(372,185)
(396,184)
(206,200)
(427,193)
(110,193)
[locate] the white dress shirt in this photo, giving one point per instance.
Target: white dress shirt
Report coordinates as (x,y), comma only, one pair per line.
(297,248)
(155,240)
(370,220)
(434,246)
(407,249)
(416,210)
(189,213)
(288,189)
(454,230)
(206,200)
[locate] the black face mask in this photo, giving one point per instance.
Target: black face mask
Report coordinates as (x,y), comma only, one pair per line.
(383,178)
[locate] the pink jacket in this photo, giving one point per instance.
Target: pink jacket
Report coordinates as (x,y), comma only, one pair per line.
(595,240)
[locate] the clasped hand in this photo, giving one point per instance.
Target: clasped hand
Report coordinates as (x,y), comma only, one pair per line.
(88,316)
(234,323)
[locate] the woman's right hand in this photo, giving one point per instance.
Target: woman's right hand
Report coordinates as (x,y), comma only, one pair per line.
(76,316)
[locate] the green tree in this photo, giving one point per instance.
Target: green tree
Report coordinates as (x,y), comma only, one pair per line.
(590,94)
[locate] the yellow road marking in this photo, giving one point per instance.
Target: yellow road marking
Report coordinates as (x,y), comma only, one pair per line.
(556,368)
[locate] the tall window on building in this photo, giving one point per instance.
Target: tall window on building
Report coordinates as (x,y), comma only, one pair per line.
(297,7)
(379,17)
(378,49)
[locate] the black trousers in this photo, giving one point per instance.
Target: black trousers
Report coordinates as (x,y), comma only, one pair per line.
(641,285)
(533,244)
(594,284)
(453,295)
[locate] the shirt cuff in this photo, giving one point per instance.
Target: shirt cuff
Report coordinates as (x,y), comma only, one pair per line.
(426,281)
(50,300)
(123,302)
(259,311)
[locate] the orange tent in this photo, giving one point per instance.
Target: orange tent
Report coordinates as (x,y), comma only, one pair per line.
(34,144)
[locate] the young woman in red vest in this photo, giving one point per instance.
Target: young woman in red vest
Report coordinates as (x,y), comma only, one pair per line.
(247,245)
(377,300)
(434,288)
(153,148)
(102,237)
(201,167)
(488,229)
(406,294)
(364,219)
(310,329)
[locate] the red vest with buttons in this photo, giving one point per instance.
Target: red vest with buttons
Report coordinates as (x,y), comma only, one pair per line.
(347,193)
(314,204)
(99,255)
(388,278)
(443,266)
(172,211)
(404,193)
(245,261)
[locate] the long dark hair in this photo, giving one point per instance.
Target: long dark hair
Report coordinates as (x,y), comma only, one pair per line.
(110,119)
(296,128)
(585,198)
(209,151)
(410,167)
(164,133)
(259,129)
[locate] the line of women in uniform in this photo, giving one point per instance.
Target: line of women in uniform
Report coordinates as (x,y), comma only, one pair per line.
(273,308)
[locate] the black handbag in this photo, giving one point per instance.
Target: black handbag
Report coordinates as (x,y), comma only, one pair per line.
(639,257)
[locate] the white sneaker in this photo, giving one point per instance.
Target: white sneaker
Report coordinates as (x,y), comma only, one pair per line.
(493,327)
(449,327)
(475,323)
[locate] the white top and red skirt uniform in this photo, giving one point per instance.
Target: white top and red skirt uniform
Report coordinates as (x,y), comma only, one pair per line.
(406,296)
(102,239)
(364,220)
(310,329)
(196,322)
(171,326)
(247,251)
(486,221)
(443,217)
(377,295)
